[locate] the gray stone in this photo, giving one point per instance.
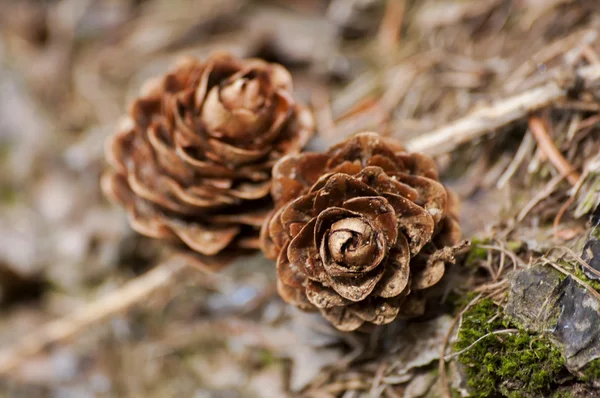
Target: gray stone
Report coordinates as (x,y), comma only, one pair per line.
(541,300)
(578,327)
(591,255)
(532,298)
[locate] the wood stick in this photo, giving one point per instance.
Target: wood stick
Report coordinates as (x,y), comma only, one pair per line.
(114,302)
(490,118)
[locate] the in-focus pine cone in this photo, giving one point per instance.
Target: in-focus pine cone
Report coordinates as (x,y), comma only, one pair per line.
(360,231)
(192,161)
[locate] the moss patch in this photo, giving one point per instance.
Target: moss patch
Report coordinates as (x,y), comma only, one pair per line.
(476,252)
(518,364)
(578,272)
(592,371)
(596,232)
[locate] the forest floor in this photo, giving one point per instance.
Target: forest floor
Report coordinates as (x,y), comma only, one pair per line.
(505,94)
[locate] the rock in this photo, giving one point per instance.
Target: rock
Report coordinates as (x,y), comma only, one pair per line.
(578,326)
(577,390)
(591,248)
(542,300)
(591,255)
(533,296)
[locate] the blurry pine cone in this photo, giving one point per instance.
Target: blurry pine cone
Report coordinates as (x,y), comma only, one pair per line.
(360,232)
(192,162)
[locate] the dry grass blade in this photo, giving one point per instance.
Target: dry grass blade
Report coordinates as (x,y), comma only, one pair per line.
(547,53)
(548,189)
(569,273)
(504,331)
(579,259)
(525,148)
(517,262)
(566,205)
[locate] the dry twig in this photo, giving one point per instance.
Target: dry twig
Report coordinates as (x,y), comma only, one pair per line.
(117,301)
(489,119)
(568,203)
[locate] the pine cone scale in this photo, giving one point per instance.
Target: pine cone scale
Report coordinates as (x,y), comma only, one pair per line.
(413,220)
(324,297)
(349,246)
(397,271)
(380,214)
(356,288)
(342,318)
(375,311)
(205,239)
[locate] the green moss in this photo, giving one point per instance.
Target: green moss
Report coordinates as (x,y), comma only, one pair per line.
(596,232)
(7,195)
(512,364)
(266,357)
(592,371)
(576,269)
(476,252)
(563,394)
(513,245)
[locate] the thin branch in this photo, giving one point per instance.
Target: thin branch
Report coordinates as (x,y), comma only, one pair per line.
(495,116)
(114,302)
(322,111)
(486,120)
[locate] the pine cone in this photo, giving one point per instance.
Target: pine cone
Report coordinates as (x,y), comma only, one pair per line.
(359,232)
(192,161)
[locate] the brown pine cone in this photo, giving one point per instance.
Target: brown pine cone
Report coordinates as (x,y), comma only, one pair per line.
(360,231)
(192,161)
